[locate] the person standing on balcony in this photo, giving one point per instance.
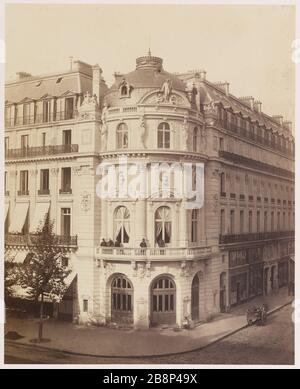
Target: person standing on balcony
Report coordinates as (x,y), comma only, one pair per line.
(143,246)
(103,243)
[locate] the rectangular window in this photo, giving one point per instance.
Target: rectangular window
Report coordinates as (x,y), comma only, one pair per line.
(69,108)
(66,180)
(26,113)
(266,221)
(46,111)
(67,137)
(6,144)
(272,221)
(194,231)
(283,221)
(85,305)
(242,222)
(66,221)
(222,222)
(221,143)
(24,141)
(222,185)
(250,221)
(232,221)
(44,184)
(43,139)
(278,221)
(258,221)
(24,182)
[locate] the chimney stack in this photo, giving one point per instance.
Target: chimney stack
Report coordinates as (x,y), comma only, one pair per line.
(288,125)
(257,106)
(22,75)
(97,71)
(249,100)
(202,75)
(278,119)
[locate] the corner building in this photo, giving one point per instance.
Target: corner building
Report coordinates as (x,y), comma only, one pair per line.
(237,245)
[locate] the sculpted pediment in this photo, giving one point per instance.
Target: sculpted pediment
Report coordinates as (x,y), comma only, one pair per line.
(157,98)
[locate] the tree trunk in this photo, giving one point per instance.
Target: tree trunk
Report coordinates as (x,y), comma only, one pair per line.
(41,317)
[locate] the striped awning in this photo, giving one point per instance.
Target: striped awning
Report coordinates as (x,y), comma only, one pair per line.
(6,210)
(40,212)
(18,218)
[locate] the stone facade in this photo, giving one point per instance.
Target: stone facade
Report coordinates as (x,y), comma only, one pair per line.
(206,262)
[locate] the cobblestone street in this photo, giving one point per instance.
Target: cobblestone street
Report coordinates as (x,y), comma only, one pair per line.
(271,344)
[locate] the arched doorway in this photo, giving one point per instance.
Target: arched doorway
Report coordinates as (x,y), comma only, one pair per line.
(121,300)
(195,298)
(163,301)
(223,292)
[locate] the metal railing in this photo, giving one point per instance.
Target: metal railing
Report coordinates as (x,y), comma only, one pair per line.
(31,239)
(241,160)
(152,252)
(40,151)
(234,238)
(41,118)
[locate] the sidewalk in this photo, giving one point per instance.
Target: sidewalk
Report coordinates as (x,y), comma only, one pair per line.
(102,341)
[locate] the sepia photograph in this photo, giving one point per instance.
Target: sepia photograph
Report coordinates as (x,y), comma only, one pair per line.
(148,185)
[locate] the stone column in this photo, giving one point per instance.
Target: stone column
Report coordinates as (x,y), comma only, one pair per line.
(140,222)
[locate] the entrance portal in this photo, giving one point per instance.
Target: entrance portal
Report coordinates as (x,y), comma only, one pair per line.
(163,301)
(121,300)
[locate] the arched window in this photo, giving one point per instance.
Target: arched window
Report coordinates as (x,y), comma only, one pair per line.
(163,136)
(122,225)
(163,225)
(122,136)
(195,139)
(194,226)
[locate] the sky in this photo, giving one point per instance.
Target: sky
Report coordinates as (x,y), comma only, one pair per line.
(248,46)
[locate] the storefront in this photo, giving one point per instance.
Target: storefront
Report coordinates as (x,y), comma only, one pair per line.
(255,271)
(283,272)
(239,275)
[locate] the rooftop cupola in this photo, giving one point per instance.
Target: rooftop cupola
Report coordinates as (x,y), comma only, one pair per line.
(149,61)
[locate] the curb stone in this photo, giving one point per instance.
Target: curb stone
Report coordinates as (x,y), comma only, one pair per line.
(68,352)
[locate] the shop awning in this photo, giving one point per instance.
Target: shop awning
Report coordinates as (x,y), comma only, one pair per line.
(6,210)
(18,218)
(20,257)
(292,257)
(68,281)
(40,212)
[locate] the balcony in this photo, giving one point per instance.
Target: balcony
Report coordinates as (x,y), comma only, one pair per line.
(30,240)
(65,191)
(41,118)
(43,192)
(41,151)
(238,238)
(23,192)
(155,253)
(254,164)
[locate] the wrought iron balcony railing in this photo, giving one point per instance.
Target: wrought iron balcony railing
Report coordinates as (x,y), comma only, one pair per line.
(40,118)
(237,238)
(31,239)
(23,192)
(40,151)
(152,252)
